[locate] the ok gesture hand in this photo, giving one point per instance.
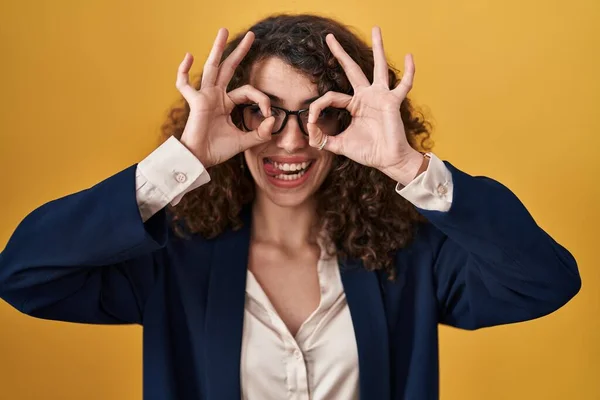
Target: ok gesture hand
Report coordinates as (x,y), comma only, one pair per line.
(376,135)
(209,132)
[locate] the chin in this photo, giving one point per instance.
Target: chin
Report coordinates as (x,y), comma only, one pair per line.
(286,201)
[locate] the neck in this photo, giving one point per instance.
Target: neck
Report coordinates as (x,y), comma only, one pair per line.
(289,227)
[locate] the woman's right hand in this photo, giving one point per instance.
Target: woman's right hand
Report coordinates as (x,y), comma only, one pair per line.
(209,132)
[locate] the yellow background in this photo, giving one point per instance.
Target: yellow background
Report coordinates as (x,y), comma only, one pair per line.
(512,87)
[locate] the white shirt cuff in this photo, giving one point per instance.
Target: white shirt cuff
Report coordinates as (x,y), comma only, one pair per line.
(432,190)
(166,175)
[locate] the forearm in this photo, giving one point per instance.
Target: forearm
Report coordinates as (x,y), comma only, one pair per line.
(495,264)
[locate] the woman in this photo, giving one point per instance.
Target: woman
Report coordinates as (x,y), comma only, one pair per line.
(320,258)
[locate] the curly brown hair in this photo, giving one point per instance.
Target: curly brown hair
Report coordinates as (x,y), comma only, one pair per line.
(361,213)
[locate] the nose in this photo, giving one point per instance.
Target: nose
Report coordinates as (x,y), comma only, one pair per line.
(291,139)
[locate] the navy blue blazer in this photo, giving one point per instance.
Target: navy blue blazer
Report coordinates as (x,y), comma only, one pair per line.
(89,258)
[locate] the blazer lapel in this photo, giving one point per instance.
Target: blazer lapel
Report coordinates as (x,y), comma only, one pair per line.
(366,306)
(225,313)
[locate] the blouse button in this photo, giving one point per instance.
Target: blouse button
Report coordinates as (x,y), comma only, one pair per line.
(298,354)
(442,190)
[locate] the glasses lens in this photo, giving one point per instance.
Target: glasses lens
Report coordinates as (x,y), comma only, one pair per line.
(253,117)
(331,121)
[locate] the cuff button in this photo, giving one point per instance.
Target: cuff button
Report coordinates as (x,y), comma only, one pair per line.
(180,177)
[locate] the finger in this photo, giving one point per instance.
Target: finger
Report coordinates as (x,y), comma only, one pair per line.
(316,137)
(249,94)
(406,83)
(183,78)
(259,135)
(380,71)
(211,67)
(329,99)
(355,75)
(228,66)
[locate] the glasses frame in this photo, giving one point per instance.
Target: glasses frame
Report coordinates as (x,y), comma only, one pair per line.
(297,113)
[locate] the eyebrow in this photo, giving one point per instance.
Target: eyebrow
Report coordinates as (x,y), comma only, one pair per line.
(278,100)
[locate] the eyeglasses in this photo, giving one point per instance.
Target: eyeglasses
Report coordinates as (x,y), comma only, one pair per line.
(331,121)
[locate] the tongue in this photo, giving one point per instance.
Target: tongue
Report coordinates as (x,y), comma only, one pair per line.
(271,170)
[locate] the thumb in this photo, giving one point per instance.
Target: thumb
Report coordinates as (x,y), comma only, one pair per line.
(259,135)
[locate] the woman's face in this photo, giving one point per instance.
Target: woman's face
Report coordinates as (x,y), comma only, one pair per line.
(286,170)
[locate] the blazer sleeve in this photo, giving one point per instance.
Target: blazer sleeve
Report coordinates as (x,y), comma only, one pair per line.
(494,264)
(86,257)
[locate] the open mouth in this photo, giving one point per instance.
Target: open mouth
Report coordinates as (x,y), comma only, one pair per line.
(287,171)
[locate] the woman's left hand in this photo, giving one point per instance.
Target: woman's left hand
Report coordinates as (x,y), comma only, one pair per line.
(376,136)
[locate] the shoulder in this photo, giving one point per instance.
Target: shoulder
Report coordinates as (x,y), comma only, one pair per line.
(417,259)
(427,239)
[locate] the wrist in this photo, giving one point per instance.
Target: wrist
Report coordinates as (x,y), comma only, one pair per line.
(191,147)
(412,166)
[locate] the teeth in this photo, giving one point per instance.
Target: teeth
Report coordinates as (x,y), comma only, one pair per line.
(290,177)
(291,167)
